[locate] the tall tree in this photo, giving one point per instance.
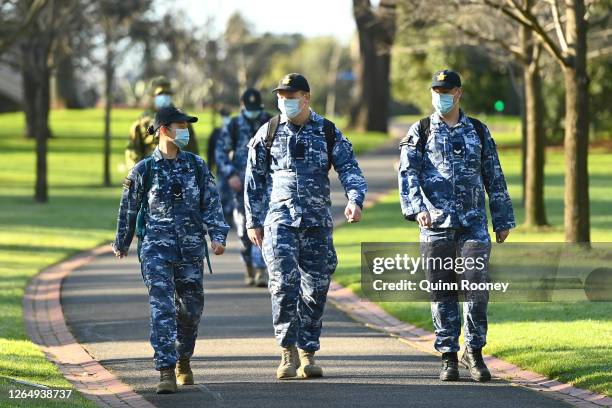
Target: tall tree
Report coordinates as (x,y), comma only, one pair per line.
(376,31)
(116,17)
(568,46)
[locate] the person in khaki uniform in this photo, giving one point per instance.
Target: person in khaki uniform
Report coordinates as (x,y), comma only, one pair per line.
(141,144)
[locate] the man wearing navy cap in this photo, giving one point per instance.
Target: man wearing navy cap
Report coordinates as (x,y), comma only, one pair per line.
(231,156)
(170,200)
(288,211)
(448,161)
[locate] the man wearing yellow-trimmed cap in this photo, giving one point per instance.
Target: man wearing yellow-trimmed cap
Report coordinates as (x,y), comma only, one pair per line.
(140,143)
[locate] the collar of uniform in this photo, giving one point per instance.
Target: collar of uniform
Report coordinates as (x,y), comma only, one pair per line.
(313,117)
(157,155)
(435,119)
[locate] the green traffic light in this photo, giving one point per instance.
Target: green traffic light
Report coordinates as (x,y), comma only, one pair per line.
(499,106)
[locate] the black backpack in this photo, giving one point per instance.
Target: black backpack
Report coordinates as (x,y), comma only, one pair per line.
(329,129)
(424,128)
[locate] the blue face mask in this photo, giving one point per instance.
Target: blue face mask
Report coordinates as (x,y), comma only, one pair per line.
(289,107)
(162,101)
(252,114)
(442,103)
(182,138)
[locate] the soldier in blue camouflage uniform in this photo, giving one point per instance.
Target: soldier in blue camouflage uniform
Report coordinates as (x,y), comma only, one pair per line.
(182,205)
(231,157)
(288,208)
(225,191)
(443,175)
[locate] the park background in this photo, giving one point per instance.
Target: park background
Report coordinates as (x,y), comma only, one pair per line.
(74,76)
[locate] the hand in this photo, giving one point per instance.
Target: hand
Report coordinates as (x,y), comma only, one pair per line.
(235,183)
(500,236)
(119,254)
(424,219)
(217,248)
(256,236)
(352,212)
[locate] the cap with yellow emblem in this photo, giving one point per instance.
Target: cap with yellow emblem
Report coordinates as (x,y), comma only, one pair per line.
(446,79)
(292,83)
(251,98)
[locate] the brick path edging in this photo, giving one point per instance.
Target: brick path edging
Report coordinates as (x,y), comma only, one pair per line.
(373,316)
(46,327)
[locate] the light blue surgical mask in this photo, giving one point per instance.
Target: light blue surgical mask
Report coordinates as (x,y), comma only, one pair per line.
(442,103)
(252,114)
(289,107)
(182,138)
(162,101)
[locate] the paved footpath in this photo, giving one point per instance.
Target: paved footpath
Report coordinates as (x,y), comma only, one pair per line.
(106,308)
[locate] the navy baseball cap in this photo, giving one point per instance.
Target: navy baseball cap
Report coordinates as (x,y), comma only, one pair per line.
(251,98)
(168,115)
(446,79)
(293,82)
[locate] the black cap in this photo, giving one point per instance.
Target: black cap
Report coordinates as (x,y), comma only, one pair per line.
(293,82)
(251,98)
(446,79)
(168,115)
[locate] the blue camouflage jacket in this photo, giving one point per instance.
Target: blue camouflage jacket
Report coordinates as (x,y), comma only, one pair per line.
(287,190)
(181,209)
(450,175)
(233,159)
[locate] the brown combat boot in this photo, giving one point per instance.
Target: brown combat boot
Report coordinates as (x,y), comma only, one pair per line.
(261,277)
(289,363)
(184,375)
(249,276)
(167,382)
(308,367)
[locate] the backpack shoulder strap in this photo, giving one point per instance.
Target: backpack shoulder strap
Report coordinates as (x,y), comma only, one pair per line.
(329,128)
(233,132)
(480,129)
(148,178)
(424,125)
(194,163)
(272,126)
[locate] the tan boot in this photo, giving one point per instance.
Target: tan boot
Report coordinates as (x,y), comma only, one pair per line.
(167,382)
(184,375)
(289,363)
(249,276)
(261,277)
(308,368)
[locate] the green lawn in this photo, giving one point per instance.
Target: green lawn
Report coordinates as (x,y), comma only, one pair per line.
(571,342)
(80,215)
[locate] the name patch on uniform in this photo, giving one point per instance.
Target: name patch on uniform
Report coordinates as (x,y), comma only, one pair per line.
(127,183)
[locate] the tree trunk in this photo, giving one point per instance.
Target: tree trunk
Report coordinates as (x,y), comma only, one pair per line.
(376,33)
(535,212)
(108,96)
(534,148)
(332,78)
(36,74)
(576,140)
(66,84)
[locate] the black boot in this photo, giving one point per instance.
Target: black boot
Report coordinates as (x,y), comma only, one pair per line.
(450,367)
(472,360)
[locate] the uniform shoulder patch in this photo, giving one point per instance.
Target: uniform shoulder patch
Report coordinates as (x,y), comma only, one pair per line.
(127,183)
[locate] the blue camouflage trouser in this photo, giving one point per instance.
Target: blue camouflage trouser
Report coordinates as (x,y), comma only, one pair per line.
(250,253)
(300,263)
(469,242)
(176,297)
